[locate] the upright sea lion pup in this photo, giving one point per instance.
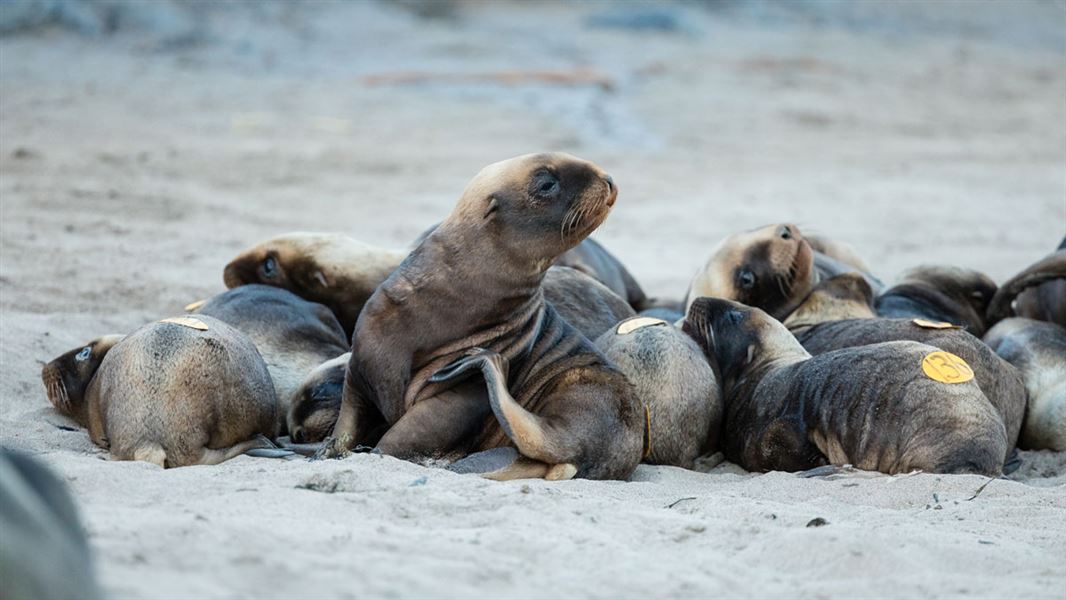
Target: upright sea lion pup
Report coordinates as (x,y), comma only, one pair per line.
(954,295)
(676,385)
(469,297)
(772,268)
(328,268)
(837,315)
(892,407)
(292,335)
(1038,350)
(1038,292)
(177,392)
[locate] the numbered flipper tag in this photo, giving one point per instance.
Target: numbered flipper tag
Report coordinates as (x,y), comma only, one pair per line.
(945,367)
(934,324)
(191,322)
(194,305)
(631,325)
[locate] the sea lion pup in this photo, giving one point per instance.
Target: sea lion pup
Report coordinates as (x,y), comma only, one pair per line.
(837,315)
(772,268)
(954,295)
(1039,292)
(292,335)
(328,268)
(475,283)
(1038,350)
(883,407)
(676,384)
(315,405)
(177,392)
(583,302)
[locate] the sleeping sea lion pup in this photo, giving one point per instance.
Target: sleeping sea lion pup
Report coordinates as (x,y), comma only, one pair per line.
(676,384)
(884,407)
(177,392)
(328,268)
(837,315)
(772,268)
(1038,350)
(953,295)
(469,297)
(292,335)
(315,405)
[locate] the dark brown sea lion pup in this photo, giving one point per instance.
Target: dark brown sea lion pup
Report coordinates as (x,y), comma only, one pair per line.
(883,407)
(953,295)
(328,268)
(315,405)
(772,268)
(1039,292)
(475,283)
(676,384)
(177,392)
(292,335)
(833,317)
(1038,350)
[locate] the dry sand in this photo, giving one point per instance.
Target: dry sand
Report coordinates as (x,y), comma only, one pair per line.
(133,166)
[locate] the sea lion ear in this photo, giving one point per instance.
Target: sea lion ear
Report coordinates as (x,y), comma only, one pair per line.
(491,208)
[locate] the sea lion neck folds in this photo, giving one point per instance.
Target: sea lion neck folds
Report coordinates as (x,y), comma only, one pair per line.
(475,283)
(870,406)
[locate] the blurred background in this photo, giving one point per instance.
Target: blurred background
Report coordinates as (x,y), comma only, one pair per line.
(143,143)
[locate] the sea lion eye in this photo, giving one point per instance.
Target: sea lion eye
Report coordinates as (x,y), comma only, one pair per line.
(785,232)
(84,354)
(734,316)
(544,185)
(270,267)
(746,278)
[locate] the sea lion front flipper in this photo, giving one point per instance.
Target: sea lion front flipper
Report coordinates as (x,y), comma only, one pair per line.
(1053,266)
(505,464)
(470,360)
(268,449)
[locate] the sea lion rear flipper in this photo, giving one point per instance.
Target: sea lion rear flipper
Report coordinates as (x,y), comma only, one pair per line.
(505,464)
(534,438)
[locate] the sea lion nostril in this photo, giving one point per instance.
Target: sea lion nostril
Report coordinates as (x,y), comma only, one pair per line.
(786,232)
(610,182)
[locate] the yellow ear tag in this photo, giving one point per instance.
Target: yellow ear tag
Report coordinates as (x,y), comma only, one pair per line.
(631,325)
(945,367)
(191,322)
(194,305)
(934,324)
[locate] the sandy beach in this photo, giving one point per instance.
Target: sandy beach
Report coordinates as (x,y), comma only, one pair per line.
(135,163)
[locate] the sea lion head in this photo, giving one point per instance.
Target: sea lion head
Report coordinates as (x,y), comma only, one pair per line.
(736,336)
(845,296)
(315,406)
(298,261)
(537,206)
(956,295)
(67,377)
(771,268)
